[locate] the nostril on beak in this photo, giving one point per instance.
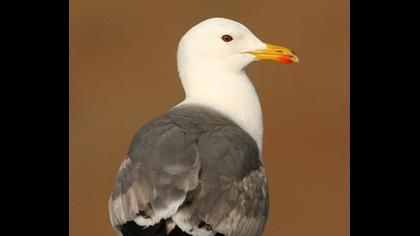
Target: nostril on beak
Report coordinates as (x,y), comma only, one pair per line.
(293,51)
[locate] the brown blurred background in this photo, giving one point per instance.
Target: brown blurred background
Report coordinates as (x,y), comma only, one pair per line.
(123,73)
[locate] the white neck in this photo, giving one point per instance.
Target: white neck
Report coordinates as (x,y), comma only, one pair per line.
(228,91)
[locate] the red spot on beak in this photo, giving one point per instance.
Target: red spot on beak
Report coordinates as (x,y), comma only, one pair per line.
(285,60)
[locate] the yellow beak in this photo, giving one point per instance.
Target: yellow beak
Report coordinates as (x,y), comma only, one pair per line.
(276,53)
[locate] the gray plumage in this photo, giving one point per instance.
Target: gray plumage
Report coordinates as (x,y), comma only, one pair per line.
(189,166)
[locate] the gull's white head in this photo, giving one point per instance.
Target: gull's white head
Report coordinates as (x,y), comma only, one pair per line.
(211,59)
(223,44)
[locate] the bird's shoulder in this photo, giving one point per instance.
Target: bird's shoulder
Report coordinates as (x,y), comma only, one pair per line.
(196,122)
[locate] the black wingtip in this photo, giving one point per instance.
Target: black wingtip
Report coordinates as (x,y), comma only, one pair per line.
(132,229)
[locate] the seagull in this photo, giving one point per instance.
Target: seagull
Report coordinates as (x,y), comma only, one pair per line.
(198,168)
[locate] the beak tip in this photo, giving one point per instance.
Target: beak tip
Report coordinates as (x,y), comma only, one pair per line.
(275,53)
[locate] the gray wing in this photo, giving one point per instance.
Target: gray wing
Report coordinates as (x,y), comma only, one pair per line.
(207,178)
(161,167)
(232,198)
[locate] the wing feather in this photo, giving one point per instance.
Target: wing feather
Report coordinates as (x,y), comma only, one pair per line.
(161,167)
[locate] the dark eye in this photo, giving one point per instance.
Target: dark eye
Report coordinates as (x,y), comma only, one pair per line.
(227,38)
